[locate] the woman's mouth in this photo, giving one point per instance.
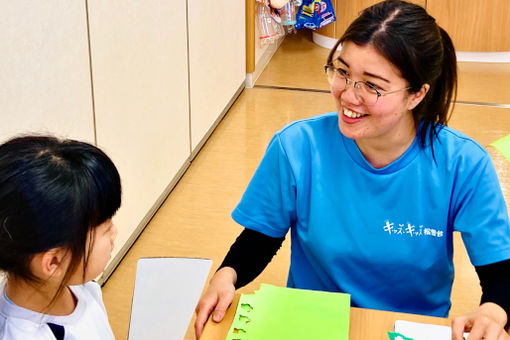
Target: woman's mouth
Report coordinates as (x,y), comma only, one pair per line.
(352,114)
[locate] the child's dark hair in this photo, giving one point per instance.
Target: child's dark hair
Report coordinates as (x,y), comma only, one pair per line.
(52,193)
(407,36)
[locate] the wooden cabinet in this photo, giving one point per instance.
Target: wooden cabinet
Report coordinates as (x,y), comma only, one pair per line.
(476,26)
(44,69)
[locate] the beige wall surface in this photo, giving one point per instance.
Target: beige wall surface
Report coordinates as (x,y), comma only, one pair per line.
(140,77)
(217,60)
(44,69)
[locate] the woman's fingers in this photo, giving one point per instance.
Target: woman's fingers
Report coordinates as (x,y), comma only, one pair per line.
(225,299)
(216,299)
(204,308)
(459,326)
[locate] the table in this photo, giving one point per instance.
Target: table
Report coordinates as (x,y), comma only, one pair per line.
(364,323)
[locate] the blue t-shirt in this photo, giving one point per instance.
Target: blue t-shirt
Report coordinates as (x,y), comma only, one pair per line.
(382,235)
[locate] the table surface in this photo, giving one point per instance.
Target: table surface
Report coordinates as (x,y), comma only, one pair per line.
(364,323)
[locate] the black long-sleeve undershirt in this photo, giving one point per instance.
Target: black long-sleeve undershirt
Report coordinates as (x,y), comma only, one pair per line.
(252,251)
(250,254)
(495,283)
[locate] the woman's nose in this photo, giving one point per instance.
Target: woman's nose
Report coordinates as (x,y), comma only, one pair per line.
(350,95)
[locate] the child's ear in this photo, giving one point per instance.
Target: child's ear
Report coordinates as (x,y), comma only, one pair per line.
(50,263)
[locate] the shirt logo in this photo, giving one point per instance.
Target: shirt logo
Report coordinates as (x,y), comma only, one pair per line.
(410,230)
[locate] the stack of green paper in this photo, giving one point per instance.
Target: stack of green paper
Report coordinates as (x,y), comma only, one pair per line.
(285,313)
(503,145)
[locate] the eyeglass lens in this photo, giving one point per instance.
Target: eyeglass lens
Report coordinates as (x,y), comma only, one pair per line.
(364,92)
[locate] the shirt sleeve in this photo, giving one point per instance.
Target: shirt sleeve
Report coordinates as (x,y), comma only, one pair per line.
(250,254)
(481,213)
(495,283)
(269,202)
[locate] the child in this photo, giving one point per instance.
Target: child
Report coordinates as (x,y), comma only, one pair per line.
(57,198)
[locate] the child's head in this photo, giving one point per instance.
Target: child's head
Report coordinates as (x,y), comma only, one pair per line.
(56,194)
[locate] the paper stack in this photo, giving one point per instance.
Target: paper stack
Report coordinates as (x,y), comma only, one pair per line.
(286,313)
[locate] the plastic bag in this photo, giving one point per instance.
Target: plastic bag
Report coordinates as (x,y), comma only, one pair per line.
(278,3)
(264,23)
(288,14)
(268,23)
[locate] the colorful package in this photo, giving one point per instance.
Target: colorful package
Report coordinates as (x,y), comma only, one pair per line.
(327,13)
(314,14)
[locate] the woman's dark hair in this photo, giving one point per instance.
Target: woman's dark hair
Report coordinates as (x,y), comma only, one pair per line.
(411,40)
(52,193)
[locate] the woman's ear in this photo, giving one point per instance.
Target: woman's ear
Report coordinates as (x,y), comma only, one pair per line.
(417,97)
(50,263)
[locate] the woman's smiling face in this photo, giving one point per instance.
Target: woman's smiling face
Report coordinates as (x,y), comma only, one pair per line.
(390,118)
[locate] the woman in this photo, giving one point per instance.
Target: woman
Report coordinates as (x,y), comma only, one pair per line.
(373,193)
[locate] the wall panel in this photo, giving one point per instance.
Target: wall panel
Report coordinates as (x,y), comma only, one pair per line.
(140,75)
(44,69)
(217,59)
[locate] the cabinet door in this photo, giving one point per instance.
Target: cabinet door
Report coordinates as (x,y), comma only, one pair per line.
(217,59)
(140,77)
(44,69)
(476,25)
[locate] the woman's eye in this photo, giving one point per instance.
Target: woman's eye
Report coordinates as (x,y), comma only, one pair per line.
(372,86)
(342,72)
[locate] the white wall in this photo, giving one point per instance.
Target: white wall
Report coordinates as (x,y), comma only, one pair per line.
(140,75)
(140,96)
(44,69)
(217,58)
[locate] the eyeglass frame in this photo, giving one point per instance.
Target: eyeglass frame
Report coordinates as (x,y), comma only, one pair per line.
(349,81)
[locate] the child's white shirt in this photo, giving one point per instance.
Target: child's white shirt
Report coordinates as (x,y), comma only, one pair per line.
(87,321)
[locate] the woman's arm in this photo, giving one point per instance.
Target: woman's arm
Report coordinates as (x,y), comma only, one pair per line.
(250,254)
(490,319)
(495,283)
(246,259)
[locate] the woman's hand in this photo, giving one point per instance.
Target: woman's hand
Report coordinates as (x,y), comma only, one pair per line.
(217,298)
(486,322)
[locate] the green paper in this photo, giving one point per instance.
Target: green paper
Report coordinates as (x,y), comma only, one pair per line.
(503,146)
(397,336)
(286,313)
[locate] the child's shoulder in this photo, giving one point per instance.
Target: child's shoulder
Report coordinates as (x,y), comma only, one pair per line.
(89,289)
(19,323)
(2,326)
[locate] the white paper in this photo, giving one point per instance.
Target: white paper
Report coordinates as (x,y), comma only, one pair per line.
(423,331)
(165,295)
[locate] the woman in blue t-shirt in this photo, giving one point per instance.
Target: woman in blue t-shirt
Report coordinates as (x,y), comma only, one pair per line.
(372,193)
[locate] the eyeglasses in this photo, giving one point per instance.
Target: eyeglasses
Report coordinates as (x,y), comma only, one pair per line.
(367,93)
